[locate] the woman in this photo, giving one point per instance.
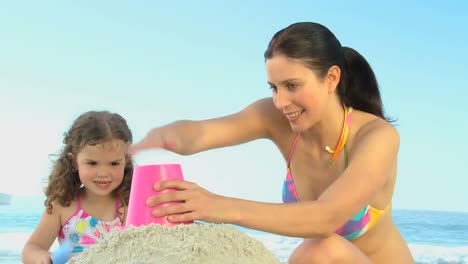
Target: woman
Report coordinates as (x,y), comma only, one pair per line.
(326,118)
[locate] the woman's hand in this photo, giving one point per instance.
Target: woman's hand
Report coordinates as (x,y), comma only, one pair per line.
(196,203)
(157,138)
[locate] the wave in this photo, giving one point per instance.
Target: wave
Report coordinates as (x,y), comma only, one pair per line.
(422,254)
(11,245)
(429,254)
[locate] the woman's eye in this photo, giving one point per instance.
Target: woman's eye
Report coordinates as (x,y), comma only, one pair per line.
(291,86)
(273,88)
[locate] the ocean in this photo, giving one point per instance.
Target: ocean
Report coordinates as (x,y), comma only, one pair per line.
(433,236)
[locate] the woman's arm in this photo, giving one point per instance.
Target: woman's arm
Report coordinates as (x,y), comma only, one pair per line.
(304,219)
(187,137)
(369,168)
(36,249)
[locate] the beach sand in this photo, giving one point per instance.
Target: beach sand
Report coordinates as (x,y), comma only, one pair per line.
(194,243)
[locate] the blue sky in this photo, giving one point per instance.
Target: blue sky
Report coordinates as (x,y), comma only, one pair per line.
(155,62)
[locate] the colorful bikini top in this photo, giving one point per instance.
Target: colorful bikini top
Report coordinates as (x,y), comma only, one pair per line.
(358,224)
(83,230)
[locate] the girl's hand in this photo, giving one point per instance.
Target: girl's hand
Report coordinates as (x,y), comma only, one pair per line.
(196,203)
(45,258)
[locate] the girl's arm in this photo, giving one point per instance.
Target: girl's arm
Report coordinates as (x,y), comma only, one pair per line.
(36,249)
(123,217)
(187,137)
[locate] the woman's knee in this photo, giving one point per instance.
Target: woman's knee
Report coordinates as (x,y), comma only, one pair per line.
(311,251)
(333,249)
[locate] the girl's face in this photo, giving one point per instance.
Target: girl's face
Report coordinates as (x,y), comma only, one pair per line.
(101,167)
(297,92)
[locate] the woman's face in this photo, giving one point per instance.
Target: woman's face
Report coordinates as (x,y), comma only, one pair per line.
(297,92)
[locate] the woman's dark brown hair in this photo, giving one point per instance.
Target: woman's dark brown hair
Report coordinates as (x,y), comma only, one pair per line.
(318,49)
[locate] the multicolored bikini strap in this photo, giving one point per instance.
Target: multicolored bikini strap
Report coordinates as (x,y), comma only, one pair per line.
(344,135)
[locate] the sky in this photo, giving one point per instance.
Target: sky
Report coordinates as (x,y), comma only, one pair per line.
(155,62)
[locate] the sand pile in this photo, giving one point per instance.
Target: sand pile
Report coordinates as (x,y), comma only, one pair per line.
(195,243)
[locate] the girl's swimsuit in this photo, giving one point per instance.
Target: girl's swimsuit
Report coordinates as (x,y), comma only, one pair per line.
(357,225)
(83,230)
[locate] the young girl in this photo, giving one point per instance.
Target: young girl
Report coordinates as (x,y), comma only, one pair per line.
(88,188)
(326,118)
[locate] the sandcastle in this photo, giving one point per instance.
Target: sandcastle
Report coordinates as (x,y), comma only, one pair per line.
(183,244)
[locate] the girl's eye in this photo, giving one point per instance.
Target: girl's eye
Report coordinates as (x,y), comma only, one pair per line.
(115,163)
(92,163)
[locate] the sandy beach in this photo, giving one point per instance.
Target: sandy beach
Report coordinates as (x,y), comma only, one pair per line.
(194,243)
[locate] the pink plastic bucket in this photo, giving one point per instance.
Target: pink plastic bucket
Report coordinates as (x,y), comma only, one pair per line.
(144,178)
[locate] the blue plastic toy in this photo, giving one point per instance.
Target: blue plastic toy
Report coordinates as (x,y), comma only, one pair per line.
(63,253)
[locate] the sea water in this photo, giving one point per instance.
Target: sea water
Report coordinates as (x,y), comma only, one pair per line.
(433,236)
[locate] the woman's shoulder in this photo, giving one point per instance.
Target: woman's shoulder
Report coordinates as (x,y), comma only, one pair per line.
(275,123)
(274,120)
(371,127)
(265,108)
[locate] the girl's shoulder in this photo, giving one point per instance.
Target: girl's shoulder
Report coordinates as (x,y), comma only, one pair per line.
(64,211)
(57,204)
